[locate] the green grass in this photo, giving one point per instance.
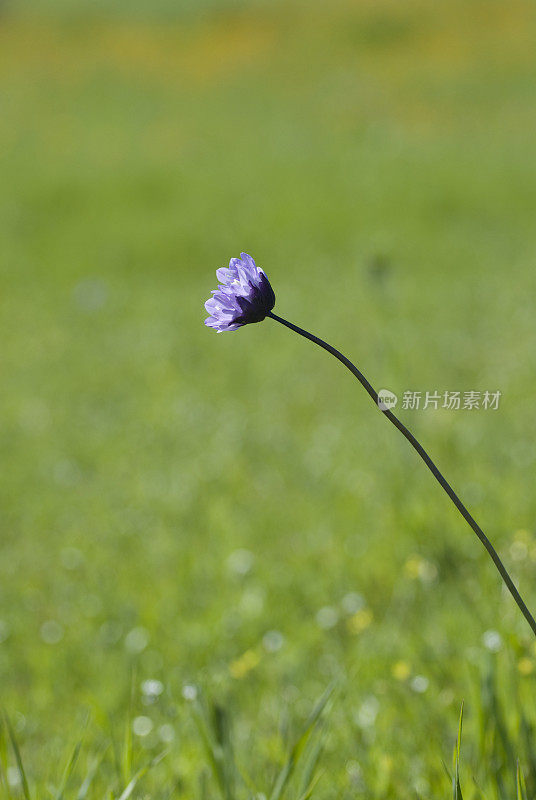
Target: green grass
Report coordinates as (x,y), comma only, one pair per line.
(179,507)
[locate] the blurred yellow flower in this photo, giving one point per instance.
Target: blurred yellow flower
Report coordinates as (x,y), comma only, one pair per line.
(412,566)
(417,567)
(244,664)
(360,620)
(401,670)
(525,666)
(386,763)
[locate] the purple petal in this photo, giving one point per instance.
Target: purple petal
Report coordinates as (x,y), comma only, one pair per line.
(243,296)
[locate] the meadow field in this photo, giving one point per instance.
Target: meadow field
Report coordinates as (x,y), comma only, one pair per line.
(204,536)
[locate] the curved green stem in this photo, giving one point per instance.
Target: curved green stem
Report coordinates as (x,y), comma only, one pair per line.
(427,460)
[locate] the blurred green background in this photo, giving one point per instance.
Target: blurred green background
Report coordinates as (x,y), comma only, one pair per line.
(231,511)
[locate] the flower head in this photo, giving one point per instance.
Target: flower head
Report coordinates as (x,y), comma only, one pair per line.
(243,296)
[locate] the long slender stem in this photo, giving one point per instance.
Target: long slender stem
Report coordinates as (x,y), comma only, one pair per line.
(427,460)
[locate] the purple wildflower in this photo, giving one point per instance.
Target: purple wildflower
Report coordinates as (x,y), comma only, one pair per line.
(243,296)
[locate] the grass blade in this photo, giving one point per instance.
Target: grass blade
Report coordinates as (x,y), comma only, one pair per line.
(18,758)
(308,778)
(71,763)
(520,784)
(4,762)
(456,788)
(213,727)
(90,774)
(312,786)
(140,774)
(128,744)
(299,746)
